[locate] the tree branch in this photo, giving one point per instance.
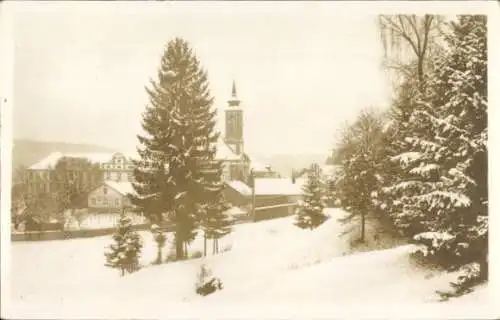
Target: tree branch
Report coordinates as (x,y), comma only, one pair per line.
(399,30)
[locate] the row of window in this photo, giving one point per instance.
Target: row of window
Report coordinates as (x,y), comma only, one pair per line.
(118,176)
(117,166)
(104,201)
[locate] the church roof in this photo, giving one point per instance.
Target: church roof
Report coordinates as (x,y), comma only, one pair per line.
(225,152)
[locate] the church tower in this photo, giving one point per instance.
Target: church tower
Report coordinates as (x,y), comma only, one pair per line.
(234,123)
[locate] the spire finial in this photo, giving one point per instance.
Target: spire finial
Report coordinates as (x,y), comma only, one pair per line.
(233,92)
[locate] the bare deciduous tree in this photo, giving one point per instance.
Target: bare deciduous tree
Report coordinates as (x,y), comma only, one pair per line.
(408,40)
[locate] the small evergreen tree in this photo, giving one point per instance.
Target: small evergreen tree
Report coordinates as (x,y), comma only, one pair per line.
(217,222)
(360,150)
(124,253)
(310,213)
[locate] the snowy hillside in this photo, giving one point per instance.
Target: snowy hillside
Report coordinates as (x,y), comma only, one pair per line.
(269,263)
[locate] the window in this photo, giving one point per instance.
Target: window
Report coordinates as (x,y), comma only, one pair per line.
(117,202)
(93,201)
(105,190)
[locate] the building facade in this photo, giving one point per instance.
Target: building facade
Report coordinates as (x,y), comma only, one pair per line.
(111,196)
(109,166)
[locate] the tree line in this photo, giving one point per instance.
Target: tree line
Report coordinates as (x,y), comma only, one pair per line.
(421,167)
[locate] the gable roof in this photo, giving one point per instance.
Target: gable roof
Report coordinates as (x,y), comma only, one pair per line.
(225,152)
(278,186)
(240,187)
(122,187)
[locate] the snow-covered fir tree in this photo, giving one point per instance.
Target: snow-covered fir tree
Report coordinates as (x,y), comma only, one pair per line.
(179,122)
(360,151)
(216,223)
(124,253)
(310,212)
(445,186)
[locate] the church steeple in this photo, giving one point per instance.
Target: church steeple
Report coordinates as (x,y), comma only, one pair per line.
(233,92)
(234,123)
(234,102)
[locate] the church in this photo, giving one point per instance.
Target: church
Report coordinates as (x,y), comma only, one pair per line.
(237,165)
(230,147)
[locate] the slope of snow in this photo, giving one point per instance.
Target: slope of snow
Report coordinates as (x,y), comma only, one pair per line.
(272,263)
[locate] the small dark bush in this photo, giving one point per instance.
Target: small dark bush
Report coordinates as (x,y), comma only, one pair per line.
(207,284)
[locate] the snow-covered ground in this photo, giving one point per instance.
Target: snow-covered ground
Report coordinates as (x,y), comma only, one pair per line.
(291,272)
(107,220)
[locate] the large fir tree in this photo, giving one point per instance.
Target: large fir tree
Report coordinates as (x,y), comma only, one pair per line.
(179,124)
(445,186)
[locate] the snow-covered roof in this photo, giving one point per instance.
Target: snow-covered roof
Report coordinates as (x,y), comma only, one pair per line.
(123,187)
(235,211)
(277,186)
(51,160)
(259,167)
(224,152)
(241,187)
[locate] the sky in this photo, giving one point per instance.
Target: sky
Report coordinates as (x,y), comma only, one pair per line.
(301,69)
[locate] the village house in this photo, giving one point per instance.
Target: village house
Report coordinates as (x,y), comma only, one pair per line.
(111,196)
(269,198)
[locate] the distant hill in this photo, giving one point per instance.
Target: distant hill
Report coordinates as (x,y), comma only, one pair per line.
(285,163)
(28,152)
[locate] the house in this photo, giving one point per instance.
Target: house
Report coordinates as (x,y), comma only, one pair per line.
(111,196)
(272,197)
(113,166)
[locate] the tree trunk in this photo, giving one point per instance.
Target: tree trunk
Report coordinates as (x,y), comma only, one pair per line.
(204,244)
(483,267)
(363,226)
(178,248)
(420,72)
(158,255)
(186,250)
(213,246)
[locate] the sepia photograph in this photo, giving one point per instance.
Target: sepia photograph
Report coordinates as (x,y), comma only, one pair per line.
(253,159)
